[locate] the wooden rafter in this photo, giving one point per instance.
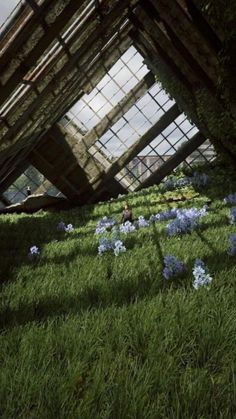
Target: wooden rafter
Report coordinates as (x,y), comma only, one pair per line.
(138,146)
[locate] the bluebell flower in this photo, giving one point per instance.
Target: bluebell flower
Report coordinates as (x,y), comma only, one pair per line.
(119,247)
(69,228)
(230,199)
(142,222)
(115,244)
(104,224)
(233,215)
(186,221)
(198,180)
(127,227)
(100,230)
(172,267)
(232,245)
(201,274)
(104,245)
(153,218)
(61,226)
(164,215)
(33,252)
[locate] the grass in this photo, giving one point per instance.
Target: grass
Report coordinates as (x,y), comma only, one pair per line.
(83,336)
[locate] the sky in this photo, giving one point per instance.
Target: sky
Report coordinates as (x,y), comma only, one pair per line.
(6,6)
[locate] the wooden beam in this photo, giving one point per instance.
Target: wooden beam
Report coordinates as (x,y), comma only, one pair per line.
(4,200)
(172,14)
(216,28)
(153,37)
(58,108)
(115,167)
(147,138)
(117,13)
(13,174)
(199,21)
(184,151)
(39,48)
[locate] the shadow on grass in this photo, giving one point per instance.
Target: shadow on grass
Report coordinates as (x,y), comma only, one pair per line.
(100,296)
(17,237)
(91,298)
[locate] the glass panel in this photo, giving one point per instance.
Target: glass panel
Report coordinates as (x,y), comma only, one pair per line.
(31,179)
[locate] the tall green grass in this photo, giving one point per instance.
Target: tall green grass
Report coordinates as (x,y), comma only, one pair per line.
(83,336)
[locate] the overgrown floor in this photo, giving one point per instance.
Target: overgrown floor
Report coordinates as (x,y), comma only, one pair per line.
(87,336)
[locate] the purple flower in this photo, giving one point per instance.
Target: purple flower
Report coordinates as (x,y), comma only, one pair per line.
(127,227)
(164,215)
(104,224)
(61,226)
(233,215)
(142,222)
(186,221)
(172,267)
(198,180)
(230,199)
(115,244)
(104,245)
(232,245)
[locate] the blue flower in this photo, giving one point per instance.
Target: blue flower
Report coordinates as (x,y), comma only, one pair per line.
(127,227)
(172,267)
(69,228)
(198,180)
(153,218)
(201,275)
(33,252)
(142,222)
(164,215)
(186,221)
(61,226)
(104,224)
(100,230)
(230,199)
(115,244)
(233,215)
(104,245)
(232,245)
(119,247)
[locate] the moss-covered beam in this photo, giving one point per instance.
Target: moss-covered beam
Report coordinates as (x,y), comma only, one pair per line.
(30,60)
(204,108)
(195,45)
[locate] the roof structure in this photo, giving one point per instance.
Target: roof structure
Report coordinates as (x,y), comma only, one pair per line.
(83,100)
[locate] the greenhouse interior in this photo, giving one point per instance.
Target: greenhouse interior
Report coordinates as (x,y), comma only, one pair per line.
(117,209)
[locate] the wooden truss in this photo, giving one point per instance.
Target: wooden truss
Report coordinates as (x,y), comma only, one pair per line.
(55,53)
